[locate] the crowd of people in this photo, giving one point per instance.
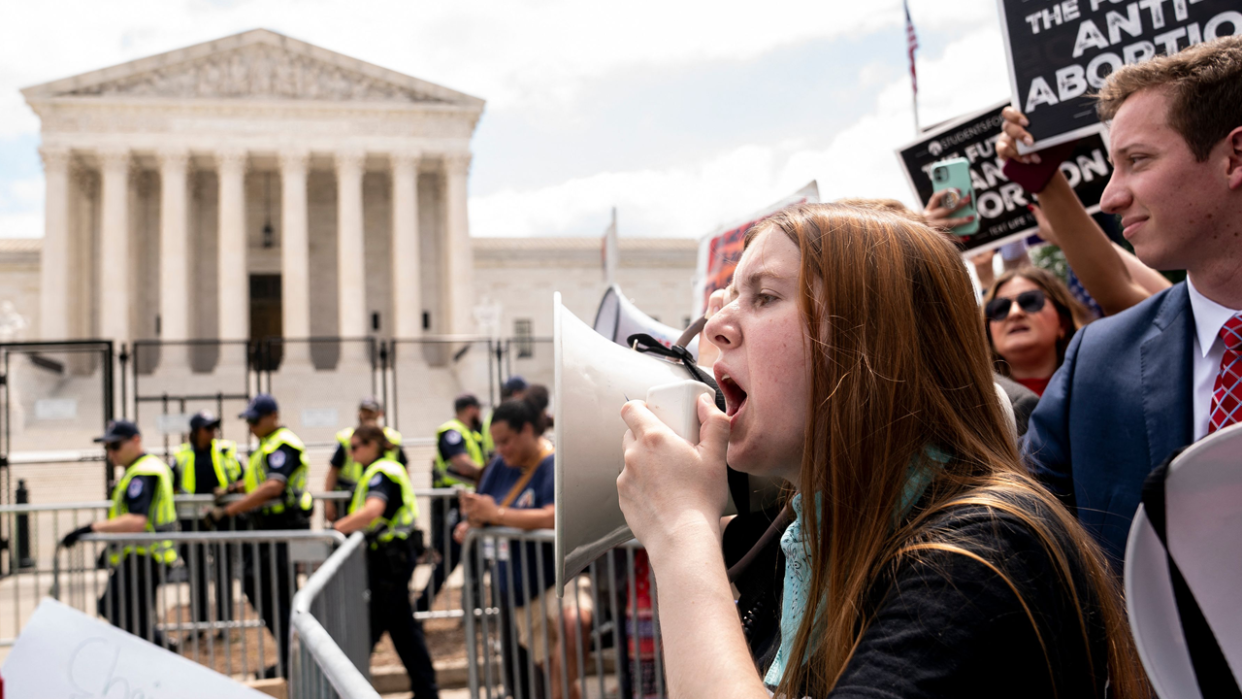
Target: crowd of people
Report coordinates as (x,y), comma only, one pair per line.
(930,553)
(935,547)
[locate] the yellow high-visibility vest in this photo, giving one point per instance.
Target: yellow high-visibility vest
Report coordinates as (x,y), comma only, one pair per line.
(162,516)
(474,449)
(296,494)
(223,461)
(402,522)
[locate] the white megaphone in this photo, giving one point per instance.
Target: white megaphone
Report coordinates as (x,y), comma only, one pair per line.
(617,319)
(1202,522)
(594,378)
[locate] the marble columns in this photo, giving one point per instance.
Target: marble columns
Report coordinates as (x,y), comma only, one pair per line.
(174,259)
(406,277)
(234,280)
(294,259)
(351,260)
(54,264)
(458,284)
(114,303)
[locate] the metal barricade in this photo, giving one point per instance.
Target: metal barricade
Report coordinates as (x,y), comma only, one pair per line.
(602,639)
(330,629)
(27,563)
(437,578)
(166,602)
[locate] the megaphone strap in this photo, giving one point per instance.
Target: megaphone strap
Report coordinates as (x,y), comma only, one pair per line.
(1211,669)
(739,484)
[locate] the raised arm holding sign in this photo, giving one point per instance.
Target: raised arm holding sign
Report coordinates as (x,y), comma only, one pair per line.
(1062,51)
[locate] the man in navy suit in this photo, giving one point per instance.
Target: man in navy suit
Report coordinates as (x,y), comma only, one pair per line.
(1137,386)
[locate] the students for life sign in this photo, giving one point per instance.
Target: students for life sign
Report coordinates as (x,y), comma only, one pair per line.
(1003,216)
(1061,51)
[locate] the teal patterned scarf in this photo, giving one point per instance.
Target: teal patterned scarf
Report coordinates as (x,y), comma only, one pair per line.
(798,565)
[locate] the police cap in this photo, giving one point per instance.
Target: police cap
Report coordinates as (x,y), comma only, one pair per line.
(118,431)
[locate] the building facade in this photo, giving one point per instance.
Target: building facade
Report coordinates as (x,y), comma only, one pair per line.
(261,187)
(253,186)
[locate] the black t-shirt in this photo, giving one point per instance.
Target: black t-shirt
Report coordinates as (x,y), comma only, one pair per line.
(283,462)
(945,625)
(140,495)
(205,481)
(381,486)
(451,444)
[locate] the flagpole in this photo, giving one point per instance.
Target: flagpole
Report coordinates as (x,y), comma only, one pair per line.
(917,131)
(912,43)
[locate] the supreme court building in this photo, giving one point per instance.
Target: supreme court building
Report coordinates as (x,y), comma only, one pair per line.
(227,189)
(259,186)
(255,187)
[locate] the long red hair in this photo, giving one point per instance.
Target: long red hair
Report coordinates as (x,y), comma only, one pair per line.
(899,362)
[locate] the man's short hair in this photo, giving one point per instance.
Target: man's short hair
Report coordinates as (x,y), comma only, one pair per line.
(465,400)
(1205,90)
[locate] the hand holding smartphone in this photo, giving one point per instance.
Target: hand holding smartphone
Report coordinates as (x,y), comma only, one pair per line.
(954,175)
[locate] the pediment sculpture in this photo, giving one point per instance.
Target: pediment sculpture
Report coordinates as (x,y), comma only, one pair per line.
(257,72)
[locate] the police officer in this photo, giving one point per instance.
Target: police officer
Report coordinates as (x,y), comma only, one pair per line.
(343,471)
(142,501)
(206,465)
(459,463)
(275,486)
(383,506)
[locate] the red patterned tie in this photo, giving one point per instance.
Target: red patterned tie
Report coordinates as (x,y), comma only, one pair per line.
(1227,394)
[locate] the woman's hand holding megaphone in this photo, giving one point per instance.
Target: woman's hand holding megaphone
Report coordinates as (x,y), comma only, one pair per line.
(669,486)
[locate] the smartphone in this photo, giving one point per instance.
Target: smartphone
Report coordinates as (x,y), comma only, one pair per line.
(954,174)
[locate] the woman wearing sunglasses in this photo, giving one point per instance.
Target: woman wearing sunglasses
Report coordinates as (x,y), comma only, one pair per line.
(383,506)
(1030,319)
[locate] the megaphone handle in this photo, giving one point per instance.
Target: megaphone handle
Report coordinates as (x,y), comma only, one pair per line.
(695,328)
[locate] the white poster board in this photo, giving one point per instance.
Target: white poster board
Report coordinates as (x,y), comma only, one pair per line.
(62,652)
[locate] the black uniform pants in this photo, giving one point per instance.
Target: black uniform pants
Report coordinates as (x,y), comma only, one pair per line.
(445,514)
(269,582)
(389,568)
(129,600)
(209,566)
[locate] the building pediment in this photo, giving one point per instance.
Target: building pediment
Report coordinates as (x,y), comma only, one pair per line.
(254,65)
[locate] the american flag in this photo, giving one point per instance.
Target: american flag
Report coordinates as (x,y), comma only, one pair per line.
(912,43)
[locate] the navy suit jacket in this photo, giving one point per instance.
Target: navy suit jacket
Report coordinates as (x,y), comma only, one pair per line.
(1118,407)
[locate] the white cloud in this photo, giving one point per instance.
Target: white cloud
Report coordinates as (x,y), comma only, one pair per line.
(693,200)
(674,202)
(536,56)
(22,225)
(532,55)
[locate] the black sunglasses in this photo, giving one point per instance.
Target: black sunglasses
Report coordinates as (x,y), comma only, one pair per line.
(113,446)
(1030,301)
(355,446)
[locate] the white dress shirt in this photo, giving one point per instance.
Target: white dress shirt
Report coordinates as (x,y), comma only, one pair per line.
(1210,317)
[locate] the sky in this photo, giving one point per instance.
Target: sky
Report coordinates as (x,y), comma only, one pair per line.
(685,116)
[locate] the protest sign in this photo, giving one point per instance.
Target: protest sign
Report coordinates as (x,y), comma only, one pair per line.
(1061,51)
(720,250)
(1003,215)
(62,652)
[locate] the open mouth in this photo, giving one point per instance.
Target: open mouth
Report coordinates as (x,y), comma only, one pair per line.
(1018,329)
(734,396)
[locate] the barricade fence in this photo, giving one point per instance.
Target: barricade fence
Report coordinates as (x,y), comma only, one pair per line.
(204,583)
(221,601)
(601,639)
(318,381)
(330,637)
